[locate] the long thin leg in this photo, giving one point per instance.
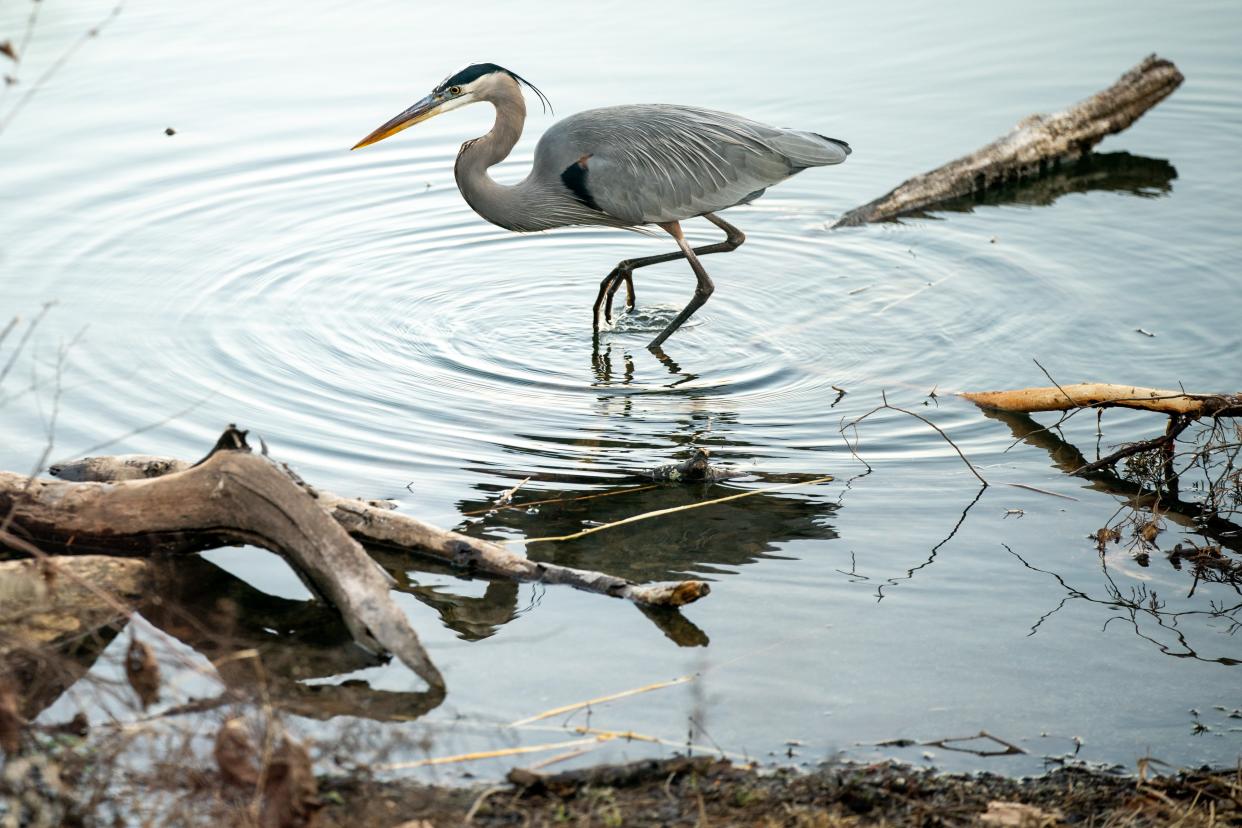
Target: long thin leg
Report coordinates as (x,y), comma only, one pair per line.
(624,270)
(702,291)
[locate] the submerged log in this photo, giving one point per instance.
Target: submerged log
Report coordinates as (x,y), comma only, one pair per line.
(1037,145)
(230,497)
(1108,395)
(375,522)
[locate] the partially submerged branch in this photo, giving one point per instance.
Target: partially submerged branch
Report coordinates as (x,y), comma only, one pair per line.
(1107,395)
(1036,146)
(1182,408)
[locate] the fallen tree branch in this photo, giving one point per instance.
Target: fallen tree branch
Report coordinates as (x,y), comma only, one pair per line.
(1106,395)
(375,522)
(1036,146)
(230,497)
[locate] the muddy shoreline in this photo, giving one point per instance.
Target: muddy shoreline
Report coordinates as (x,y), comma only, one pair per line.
(703,792)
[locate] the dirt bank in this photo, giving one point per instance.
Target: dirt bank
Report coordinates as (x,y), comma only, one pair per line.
(707,793)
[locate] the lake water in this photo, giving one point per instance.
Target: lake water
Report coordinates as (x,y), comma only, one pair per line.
(387,342)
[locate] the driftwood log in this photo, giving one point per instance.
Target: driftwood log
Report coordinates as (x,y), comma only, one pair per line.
(376,522)
(139,505)
(1039,144)
(231,497)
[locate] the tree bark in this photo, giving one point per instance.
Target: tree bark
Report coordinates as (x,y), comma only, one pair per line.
(375,522)
(1037,145)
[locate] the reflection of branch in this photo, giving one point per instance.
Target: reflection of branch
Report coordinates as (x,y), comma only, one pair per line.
(1007,748)
(1176,426)
(1141,602)
(662,512)
(935,549)
(1068,459)
(676,627)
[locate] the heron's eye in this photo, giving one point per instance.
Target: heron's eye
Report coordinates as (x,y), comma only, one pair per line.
(454,90)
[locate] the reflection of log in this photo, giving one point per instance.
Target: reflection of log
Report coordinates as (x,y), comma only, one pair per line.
(375,523)
(232,496)
(1037,144)
(260,643)
(1104,395)
(1108,172)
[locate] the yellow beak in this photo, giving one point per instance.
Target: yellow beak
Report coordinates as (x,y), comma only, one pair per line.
(428,107)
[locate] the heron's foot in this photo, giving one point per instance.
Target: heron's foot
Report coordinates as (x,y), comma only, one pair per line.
(626,276)
(607,290)
(598,308)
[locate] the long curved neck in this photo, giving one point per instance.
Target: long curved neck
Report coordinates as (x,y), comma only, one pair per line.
(495,202)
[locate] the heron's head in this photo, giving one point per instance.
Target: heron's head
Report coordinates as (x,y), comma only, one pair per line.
(477,82)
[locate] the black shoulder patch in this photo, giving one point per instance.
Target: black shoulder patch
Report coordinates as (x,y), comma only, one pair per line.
(575,178)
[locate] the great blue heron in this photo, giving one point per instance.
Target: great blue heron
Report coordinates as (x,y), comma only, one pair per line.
(621,166)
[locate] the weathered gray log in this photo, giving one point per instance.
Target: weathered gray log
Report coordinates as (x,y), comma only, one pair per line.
(1038,144)
(376,522)
(232,496)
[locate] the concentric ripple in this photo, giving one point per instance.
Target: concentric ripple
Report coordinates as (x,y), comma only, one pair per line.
(359,304)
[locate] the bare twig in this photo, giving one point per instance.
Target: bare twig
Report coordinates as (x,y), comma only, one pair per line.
(937,428)
(58,64)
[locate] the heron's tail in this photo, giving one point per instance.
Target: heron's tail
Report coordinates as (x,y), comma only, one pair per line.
(836,141)
(810,149)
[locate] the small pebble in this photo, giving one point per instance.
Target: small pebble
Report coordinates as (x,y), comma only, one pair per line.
(170,131)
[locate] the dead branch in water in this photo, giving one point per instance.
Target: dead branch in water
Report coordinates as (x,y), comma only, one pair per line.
(1036,146)
(375,522)
(232,496)
(1182,408)
(1107,395)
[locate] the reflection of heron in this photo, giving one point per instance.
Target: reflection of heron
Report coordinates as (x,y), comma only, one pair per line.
(623,166)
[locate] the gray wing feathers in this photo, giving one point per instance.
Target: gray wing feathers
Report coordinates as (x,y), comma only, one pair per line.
(664,163)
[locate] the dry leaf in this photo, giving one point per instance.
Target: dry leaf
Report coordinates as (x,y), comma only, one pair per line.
(290,792)
(235,754)
(143,672)
(6,48)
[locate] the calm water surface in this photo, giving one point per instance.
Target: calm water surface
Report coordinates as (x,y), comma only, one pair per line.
(389,343)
